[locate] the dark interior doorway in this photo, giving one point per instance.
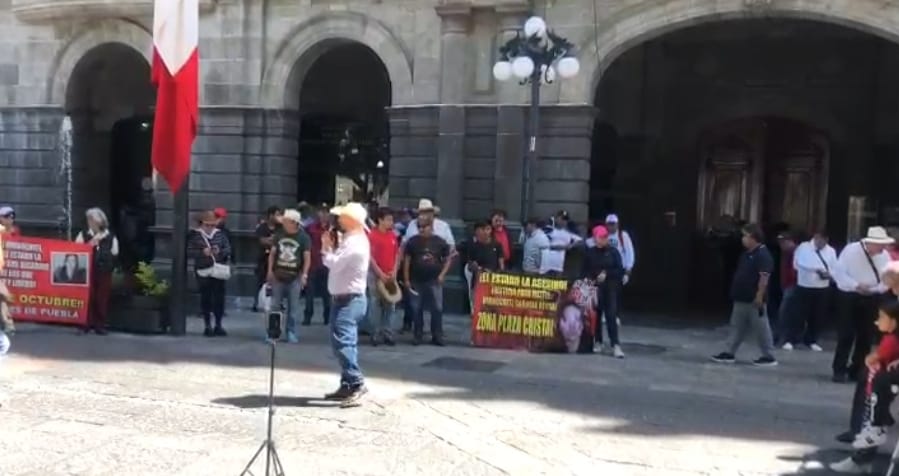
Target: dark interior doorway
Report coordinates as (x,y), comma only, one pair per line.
(344,132)
(110,100)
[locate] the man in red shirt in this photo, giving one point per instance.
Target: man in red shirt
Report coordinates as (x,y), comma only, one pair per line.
(501,234)
(318,273)
(384,265)
(788,285)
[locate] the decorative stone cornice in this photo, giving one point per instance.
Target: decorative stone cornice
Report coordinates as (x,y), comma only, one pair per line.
(49,10)
(456,16)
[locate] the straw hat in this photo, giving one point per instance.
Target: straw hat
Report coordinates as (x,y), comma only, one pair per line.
(877,235)
(390,291)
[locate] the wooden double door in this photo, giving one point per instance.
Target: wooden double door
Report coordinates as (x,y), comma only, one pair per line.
(763,170)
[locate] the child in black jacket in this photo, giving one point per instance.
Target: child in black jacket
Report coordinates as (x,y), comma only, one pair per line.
(603,265)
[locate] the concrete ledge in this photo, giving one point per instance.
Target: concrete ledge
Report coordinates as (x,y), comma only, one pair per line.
(47,10)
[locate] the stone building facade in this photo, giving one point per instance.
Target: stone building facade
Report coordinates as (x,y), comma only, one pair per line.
(456,135)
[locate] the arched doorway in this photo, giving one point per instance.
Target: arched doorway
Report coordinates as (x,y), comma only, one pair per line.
(344,132)
(763,120)
(110,100)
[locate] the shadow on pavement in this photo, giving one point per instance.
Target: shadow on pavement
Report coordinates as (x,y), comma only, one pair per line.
(261,401)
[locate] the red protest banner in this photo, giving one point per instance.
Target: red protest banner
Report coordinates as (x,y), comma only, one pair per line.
(535,313)
(48,279)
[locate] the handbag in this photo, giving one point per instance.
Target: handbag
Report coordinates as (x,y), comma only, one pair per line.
(218,271)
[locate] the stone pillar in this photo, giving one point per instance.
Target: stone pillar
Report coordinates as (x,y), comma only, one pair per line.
(454,75)
(413,154)
(562,173)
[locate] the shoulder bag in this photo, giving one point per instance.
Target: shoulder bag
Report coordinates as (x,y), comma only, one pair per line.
(218,271)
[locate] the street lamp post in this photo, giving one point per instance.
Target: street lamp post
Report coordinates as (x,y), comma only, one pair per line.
(535,55)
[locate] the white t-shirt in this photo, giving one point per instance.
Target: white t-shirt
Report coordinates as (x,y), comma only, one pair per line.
(554,260)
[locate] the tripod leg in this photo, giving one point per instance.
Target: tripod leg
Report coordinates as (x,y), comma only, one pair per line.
(276,460)
(246,470)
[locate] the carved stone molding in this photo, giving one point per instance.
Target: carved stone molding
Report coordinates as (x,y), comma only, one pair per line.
(456,17)
(48,10)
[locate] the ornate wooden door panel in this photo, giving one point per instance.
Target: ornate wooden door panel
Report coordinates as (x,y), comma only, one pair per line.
(796,182)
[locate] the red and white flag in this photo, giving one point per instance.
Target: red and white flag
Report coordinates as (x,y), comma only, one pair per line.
(176,64)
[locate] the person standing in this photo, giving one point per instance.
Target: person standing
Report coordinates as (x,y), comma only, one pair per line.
(500,234)
(7,327)
(788,278)
(857,275)
(106,250)
(208,246)
(288,269)
(385,262)
(814,262)
(264,233)
(621,241)
(427,259)
(427,214)
(534,243)
(749,293)
(561,239)
(482,253)
(8,221)
(603,266)
(318,273)
(348,265)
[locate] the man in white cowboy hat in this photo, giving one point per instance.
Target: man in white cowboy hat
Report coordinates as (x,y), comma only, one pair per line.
(348,266)
(858,277)
(427,214)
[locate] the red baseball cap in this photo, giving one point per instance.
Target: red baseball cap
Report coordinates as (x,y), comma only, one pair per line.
(220,212)
(600,231)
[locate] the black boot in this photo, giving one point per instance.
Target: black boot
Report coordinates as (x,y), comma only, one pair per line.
(219,330)
(207,326)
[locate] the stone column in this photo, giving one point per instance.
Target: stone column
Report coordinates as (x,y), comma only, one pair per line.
(454,75)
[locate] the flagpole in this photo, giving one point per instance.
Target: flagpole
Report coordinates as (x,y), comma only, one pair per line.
(178,289)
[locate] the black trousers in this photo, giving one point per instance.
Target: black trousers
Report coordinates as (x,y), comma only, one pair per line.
(809,310)
(318,287)
(212,299)
(855,333)
(608,293)
(882,388)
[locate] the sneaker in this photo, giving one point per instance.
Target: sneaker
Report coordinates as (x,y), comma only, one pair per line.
(598,348)
(724,358)
(339,394)
(787,346)
(219,332)
(847,466)
(292,338)
(207,332)
(870,437)
(355,397)
(617,352)
(815,347)
(765,362)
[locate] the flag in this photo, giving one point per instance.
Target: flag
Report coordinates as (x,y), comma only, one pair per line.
(175,74)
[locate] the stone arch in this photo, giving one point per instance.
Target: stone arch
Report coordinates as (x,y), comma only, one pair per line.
(309,40)
(640,24)
(95,34)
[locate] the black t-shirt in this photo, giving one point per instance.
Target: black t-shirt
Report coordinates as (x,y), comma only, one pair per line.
(265,231)
(751,265)
(289,249)
(427,256)
(486,255)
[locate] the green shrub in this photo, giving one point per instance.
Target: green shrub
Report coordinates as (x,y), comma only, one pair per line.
(148,284)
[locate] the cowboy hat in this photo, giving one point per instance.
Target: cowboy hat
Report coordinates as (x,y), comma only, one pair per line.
(877,235)
(425,205)
(390,291)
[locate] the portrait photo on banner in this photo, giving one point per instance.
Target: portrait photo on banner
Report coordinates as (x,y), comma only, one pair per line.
(69,269)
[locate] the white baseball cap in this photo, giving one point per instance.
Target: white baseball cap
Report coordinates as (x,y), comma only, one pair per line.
(612,218)
(353,210)
(292,215)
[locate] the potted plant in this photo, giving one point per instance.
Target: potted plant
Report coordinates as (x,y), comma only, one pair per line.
(143,308)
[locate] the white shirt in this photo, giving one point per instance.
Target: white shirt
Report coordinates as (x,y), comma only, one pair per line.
(807,262)
(441,229)
(348,265)
(534,245)
(853,269)
(554,260)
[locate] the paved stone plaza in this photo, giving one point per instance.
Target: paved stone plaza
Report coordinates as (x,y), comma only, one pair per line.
(129,405)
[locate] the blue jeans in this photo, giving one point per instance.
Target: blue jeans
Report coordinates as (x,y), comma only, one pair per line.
(291,290)
(380,313)
(785,315)
(429,298)
(4,343)
(346,313)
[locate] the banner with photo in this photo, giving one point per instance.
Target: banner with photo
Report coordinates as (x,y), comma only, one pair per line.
(535,313)
(49,280)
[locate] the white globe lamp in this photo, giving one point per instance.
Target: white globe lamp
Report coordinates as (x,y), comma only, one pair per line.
(535,26)
(568,67)
(522,67)
(502,70)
